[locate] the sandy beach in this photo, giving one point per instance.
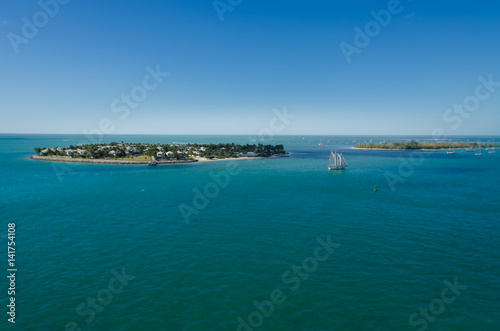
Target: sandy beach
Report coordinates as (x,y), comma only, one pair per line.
(204,159)
(93,161)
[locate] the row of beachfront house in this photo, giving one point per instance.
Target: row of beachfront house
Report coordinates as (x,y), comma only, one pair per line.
(66,151)
(132,150)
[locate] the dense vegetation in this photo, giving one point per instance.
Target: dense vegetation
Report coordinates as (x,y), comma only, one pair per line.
(116,150)
(415,145)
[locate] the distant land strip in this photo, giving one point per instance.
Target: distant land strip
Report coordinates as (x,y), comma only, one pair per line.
(415,145)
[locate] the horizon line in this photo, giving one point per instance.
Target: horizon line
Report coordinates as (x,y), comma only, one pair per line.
(239,134)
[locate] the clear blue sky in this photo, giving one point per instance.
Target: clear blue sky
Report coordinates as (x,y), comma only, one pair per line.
(227,76)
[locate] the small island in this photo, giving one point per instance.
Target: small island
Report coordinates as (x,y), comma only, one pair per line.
(415,145)
(153,154)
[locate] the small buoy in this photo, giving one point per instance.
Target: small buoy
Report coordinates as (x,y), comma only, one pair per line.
(375,189)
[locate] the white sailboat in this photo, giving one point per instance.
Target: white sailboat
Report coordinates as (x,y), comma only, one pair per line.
(491,150)
(450,151)
(336,161)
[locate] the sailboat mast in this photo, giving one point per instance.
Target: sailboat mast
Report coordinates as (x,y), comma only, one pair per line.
(336,161)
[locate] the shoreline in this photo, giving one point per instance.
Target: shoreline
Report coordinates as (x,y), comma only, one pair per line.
(99,161)
(125,162)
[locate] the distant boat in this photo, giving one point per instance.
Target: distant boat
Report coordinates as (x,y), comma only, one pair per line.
(450,151)
(320,143)
(469,150)
(492,151)
(336,161)
(480,152)
(328,142)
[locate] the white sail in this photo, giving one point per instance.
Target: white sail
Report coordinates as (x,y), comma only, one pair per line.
(343,162)
(331,161)
(336,161)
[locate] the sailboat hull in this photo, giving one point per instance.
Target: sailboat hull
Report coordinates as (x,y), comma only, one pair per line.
(336,161)
(336,168)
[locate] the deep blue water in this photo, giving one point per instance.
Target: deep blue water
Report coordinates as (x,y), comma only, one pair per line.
(436,224)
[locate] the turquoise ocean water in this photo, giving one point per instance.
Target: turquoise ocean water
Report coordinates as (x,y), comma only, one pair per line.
(398,250)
